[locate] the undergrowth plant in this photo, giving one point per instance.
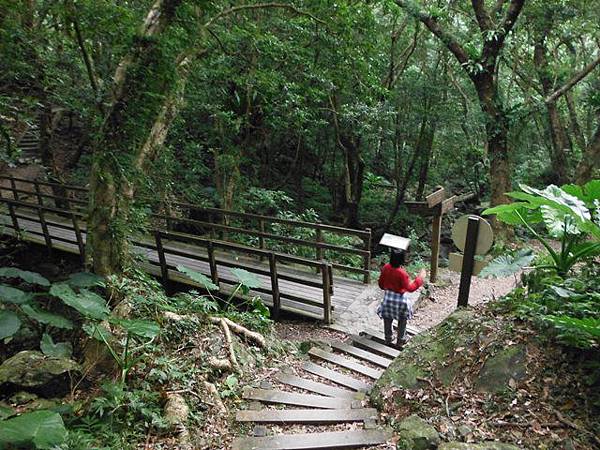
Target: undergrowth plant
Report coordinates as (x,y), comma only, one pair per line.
(562,292)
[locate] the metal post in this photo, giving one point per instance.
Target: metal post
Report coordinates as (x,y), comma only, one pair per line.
(212,262)
(38,193)
(13,217)
(47,237)
(13,186)
(80,243)
(468,261)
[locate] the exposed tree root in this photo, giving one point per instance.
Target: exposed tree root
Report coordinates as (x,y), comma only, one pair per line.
(232,358)
(176,414)
(238,329)
(212,390)
(220,364)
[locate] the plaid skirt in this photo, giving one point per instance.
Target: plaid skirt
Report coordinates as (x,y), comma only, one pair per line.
(394,306)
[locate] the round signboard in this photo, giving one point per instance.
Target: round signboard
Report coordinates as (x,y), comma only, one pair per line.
(485,236)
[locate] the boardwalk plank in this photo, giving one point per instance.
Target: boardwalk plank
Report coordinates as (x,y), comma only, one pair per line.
(362,354)
(316,387)
(289,398)
(365,342)
(343,362)
(307,416)
(328,440)
(336,377)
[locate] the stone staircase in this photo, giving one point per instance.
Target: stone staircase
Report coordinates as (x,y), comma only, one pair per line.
(29,144)
(324,399)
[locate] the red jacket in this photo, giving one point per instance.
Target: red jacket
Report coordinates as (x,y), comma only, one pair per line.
(397,280)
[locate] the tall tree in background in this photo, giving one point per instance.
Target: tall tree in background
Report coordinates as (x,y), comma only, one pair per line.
(481,66)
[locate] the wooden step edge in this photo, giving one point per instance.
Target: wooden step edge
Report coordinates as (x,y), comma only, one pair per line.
(364,355)
(345,363)
(308,416)
(366,342)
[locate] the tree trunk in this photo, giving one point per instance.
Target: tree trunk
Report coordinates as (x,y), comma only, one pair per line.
(496,128)
(142,84)
(560,142)
(354,168)
(590,160)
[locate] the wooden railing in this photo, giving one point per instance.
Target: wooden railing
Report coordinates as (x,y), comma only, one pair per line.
(227,224)
(291,283)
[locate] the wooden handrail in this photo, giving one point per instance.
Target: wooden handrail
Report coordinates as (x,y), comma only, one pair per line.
(262,234)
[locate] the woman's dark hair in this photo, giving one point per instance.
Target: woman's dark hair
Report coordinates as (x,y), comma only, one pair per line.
(397,258)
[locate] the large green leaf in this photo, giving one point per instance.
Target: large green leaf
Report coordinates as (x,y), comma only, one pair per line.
(558,222)
(246,278)
(588,193)
(555,196)
(25,275)
(44,429)
(199,278)
(46,317)
(9,324)
(142,328)
(10,294)
(85,279)
(59,350)
(98,332)
(509,213)
(87,303)
(506,265)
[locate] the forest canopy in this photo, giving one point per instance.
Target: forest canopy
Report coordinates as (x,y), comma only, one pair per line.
(340,110)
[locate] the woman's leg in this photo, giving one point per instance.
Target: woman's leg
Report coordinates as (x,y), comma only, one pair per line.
(402,330)
(387,330)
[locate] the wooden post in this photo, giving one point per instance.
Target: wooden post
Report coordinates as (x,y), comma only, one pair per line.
(319,249)
(212,262)
(211,232)
(38,193)
(13,186)
(79,238)
(436,234)
(325,273)
(261,239)
(468,262)
(274,286)
(164,270)
(13,217)
(367,262)
(169,222)
(47,237)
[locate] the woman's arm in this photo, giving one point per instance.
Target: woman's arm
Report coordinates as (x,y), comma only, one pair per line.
(405,282)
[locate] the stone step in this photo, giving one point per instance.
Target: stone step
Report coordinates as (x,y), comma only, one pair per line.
(307,416)
(328,440)
(346,363)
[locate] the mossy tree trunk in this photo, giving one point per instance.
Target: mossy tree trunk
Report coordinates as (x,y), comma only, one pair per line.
(143,103)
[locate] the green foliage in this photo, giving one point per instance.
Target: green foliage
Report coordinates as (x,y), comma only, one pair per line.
(202,279)
(61,349)
(9,324)
(87,303)
(509,264)
(568,309)
(42,429)
(565,216)
(28,277)
(36,313)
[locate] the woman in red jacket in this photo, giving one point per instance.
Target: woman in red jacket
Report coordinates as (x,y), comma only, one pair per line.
(395,282)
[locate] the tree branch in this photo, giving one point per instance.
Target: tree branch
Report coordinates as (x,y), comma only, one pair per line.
(433,25)
(261,6)
(493,43)
(481,14)
(573,81)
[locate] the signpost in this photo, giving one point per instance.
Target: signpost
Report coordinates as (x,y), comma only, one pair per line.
(473,235)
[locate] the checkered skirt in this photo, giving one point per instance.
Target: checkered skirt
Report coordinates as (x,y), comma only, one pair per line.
(394,306)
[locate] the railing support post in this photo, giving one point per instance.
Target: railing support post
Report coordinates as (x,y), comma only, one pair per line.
(325,273)
(436,234)
(367,258)
(13,217)
(274,286)
(212,262)
(13,186)
(38,193)
(79,237)
(164,270)
(318,241)
(47,237)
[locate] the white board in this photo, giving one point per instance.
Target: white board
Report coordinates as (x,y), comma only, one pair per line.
(393,241)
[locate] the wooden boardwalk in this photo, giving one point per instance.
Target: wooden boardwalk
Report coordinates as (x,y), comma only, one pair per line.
(288,283)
